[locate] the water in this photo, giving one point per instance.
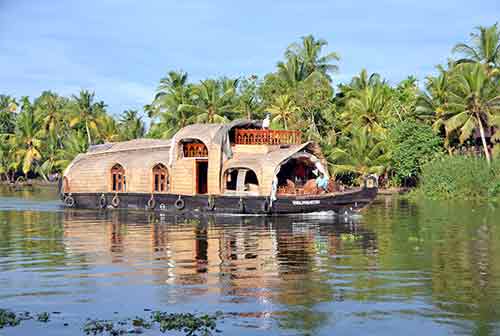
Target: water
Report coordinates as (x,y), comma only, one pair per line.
(401,268)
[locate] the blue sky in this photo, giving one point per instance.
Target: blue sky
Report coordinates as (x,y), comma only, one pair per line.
(121,48)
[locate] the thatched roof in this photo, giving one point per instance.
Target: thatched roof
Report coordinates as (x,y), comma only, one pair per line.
(128,145)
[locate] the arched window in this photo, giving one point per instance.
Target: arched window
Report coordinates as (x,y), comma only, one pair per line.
(118,180)
(160,178)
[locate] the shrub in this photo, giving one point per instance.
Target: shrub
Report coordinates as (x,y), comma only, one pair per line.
(413,145)
(460,177)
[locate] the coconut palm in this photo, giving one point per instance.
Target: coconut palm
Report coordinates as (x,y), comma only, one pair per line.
(108,129)
(283,110)
(308,53)
(213,102)
(173,95)
(50,107)
(484,47)
(368,109)
(87,112)
(131,125)
(28,136)
(8,107)
(74,144)
(474,103)
(363,155)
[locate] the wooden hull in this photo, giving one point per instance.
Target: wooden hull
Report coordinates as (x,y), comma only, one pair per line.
(353,200)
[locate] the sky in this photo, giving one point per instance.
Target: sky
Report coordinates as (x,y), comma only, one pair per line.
(121,48)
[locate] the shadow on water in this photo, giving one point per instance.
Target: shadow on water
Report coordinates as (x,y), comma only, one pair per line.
(401,267)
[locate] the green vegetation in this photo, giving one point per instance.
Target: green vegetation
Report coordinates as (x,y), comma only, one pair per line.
(460,177)
(364,126)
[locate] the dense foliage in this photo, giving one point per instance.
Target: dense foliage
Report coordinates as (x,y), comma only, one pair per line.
(414,144)
(460,177)
(364,126)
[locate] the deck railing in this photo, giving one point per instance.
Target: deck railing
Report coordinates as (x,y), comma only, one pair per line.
(267,137)
(195,150)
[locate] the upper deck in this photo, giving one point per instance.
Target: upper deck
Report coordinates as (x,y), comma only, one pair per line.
(267,137)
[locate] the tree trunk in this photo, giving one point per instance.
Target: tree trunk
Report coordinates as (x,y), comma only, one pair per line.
(88,133)
(483,139)
(284,122)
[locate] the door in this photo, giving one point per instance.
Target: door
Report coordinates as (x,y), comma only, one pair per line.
(201,176)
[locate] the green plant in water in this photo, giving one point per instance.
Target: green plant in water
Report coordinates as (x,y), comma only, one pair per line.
(8,318)
(43,317)
(189,323)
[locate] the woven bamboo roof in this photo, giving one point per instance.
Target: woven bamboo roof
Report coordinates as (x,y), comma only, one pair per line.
(128,145)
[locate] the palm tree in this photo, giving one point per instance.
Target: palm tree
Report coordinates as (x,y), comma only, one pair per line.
(368,109)
(87,112)
(214,100)
(27,136)
(108,129)
(363,155)
(308,53)
(50,106)
(474,103)
(49,161)
(283,110)
(174,93)
(8,107)
(131,125)
(484,47)
(74,144)
(292,72)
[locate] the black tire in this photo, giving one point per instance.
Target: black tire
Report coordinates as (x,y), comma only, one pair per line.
(179,204)
(241,205)
(211,203)
(151,203)
(103,202)
(69,201)
(265,206)
(115,202)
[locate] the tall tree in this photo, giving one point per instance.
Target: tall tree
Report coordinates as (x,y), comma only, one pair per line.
(87,112)
(484,47)
(309,54)
(131,125)
(474,103)
(283,110)
(8,108)
(28,136)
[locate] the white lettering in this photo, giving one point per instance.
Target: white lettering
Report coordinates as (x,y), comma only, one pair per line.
(311,202)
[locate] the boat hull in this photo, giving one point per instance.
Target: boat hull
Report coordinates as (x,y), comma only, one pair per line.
(353,200)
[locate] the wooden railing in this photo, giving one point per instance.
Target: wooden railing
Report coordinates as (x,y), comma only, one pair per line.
(195,150)
(267,137)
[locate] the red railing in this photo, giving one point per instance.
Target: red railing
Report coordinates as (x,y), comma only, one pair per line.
(267,137)
(195,150)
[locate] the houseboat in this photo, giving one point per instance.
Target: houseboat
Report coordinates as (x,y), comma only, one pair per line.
(222,168)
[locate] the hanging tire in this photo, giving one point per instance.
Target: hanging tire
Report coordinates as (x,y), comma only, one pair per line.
(241,205)
(179,204)
(103,202)
(265,206)
(211,203)
(115,202)
(69,201)
(151,203)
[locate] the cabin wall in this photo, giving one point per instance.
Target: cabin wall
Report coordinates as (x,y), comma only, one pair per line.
(183,179)
(214,169)
(92,173)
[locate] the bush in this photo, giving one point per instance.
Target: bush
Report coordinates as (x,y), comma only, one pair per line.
(460,177)
(413,145)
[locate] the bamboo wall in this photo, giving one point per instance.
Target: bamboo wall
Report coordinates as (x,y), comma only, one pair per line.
(183,177)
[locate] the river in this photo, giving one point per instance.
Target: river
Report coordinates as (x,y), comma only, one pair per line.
(400,268)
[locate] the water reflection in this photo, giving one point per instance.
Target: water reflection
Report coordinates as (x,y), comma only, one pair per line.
(431,265)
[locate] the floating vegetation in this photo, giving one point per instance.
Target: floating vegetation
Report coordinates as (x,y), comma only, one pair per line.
(8,318)
(187,323)
(43,317)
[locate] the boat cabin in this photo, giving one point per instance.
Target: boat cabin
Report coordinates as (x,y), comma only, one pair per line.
(239,158)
